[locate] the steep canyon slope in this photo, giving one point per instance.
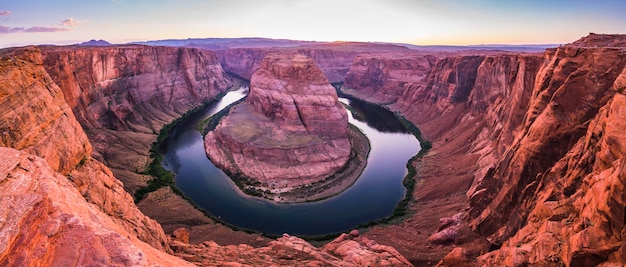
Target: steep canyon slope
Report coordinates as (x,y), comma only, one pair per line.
(335,59)
(124,95)
(62,207)
(534,142)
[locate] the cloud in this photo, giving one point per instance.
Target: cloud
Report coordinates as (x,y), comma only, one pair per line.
(5,13)
(45,29)
(70,22)
(6,29)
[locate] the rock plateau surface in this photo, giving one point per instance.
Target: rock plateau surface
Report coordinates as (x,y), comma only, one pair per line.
(290,131)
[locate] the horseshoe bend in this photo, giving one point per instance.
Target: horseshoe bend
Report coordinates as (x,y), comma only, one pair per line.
(290,132)
(526,165)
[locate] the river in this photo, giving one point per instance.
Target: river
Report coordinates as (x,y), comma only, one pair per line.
(373,196)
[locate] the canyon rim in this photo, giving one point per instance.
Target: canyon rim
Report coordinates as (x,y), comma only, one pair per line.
(526,166)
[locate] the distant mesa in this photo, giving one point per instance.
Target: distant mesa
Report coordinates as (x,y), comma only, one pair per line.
(94,42)
(291,131)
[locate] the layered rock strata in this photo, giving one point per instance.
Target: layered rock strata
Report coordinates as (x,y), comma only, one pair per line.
(123,95)
(69,209)
(48,222)
(536,148)
(291,130)
(34,116)
(381,78)
(335,59)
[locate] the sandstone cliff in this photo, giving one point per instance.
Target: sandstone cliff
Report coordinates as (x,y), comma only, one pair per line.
(123,95)
(562,179)
(534,144)
(382,77)
(335,59)
(34,115)
(68,208)
(35,99)
(290,131)
(47,222)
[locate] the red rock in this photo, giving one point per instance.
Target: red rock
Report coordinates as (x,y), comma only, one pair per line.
(181,234)
(125,94)
(34,116)
(47,222)
(354,233)
(292,130)
(381,77)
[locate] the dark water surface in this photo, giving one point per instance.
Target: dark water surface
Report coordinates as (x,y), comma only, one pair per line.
(373,196)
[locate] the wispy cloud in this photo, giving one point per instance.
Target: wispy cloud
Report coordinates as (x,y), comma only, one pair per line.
(70,22)
(6,29)
(45,29)
(63,26)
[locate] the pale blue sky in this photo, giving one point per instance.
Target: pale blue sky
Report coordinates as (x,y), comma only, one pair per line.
(459,22)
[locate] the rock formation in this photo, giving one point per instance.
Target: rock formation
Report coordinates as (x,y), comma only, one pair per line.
(34,116)
(335,59)
(538,137)
(68,209)
(290,131)
(531,145)
(381,77)
(123,95)
(47,222)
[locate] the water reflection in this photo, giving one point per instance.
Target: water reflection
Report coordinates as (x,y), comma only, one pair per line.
(373,196)
(376,117)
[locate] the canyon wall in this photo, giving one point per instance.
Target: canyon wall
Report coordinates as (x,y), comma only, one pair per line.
(61,207)
(546,180)
(123,95)
(34,115)
(38,121)
(381,78)
(335,59)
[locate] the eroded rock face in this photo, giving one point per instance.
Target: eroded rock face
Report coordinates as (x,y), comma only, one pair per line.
(565,168)
(335,59)
(288,250)
(34,115)
(40,122)
(381,78)
(123,95)
(47,222)
(290,131)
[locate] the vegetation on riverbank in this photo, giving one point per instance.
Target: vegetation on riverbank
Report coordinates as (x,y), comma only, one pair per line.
(160,176)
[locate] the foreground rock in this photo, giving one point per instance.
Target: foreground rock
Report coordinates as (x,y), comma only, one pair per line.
(288,250)
(291,131)
(47,222)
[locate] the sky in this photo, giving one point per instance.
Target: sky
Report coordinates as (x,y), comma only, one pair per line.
(421,22)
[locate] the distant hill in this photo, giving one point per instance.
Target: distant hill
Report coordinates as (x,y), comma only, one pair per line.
(95,43)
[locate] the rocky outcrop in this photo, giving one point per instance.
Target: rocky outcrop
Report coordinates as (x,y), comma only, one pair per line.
(537,136)
(382,78)
(346,250)
(290,131)
(34,116)
(47,222)
(40,122)
(123,95)
(562,178)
